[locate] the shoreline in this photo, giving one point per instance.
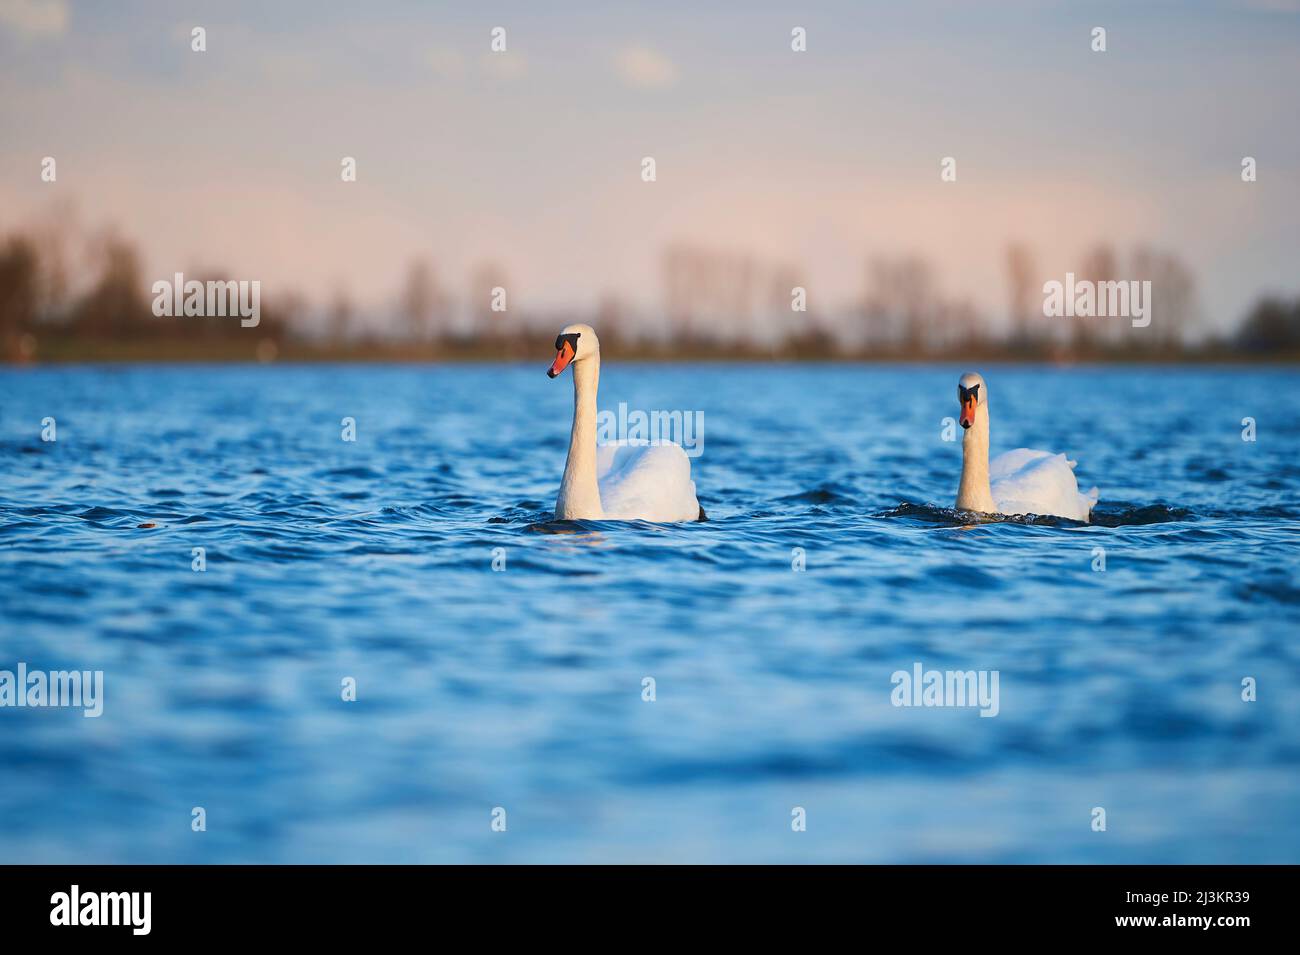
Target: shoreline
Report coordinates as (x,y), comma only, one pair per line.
(267,351)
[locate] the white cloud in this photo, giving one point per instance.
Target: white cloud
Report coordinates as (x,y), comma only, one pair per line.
(35,18)
(644,69)
(504,66)
(446,63)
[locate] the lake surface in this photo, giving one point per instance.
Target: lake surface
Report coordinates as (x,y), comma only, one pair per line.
(523,688)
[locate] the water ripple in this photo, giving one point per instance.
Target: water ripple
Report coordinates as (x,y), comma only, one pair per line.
(500,655)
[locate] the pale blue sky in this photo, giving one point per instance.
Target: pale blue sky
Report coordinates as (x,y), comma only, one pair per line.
(531,158)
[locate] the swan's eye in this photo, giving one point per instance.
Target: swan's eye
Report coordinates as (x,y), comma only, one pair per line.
(571,338)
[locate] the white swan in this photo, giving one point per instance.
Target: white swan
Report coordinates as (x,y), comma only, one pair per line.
(1017,482)
(621,482)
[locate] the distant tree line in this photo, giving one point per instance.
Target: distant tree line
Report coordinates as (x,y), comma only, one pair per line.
(69,295)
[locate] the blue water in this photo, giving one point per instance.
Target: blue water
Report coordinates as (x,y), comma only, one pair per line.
(522,689)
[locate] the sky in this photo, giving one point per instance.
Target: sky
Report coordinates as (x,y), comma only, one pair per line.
(531,158)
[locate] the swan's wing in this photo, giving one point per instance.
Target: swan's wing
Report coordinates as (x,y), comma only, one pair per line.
(647,482)
(1038,482)
(606,455)
(1005,465)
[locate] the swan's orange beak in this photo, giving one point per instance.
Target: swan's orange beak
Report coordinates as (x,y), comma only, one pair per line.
(968,411)
(562,359)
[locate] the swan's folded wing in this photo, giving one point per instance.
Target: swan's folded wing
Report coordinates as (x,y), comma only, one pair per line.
(1037,482)
(607,455)
(1012,462)
(646,482)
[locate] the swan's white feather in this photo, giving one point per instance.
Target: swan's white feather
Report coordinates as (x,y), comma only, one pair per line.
(646,482)
(1024,481)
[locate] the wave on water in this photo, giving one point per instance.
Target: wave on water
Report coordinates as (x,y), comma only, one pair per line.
(830,493)
(1111,514)
(227,560)
(1121,514)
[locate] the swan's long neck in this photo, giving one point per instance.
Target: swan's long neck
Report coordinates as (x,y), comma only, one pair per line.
(974,494)
(579,497)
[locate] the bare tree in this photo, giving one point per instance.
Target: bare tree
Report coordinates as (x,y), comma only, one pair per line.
(115,307)
(1025,293)
(419,300)
(340,317)
(1174,311)
(483,282)
(901,304)
(1100,265)
(19,291)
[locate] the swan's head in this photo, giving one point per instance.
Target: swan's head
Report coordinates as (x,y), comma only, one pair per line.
(574,343)
(971,394)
